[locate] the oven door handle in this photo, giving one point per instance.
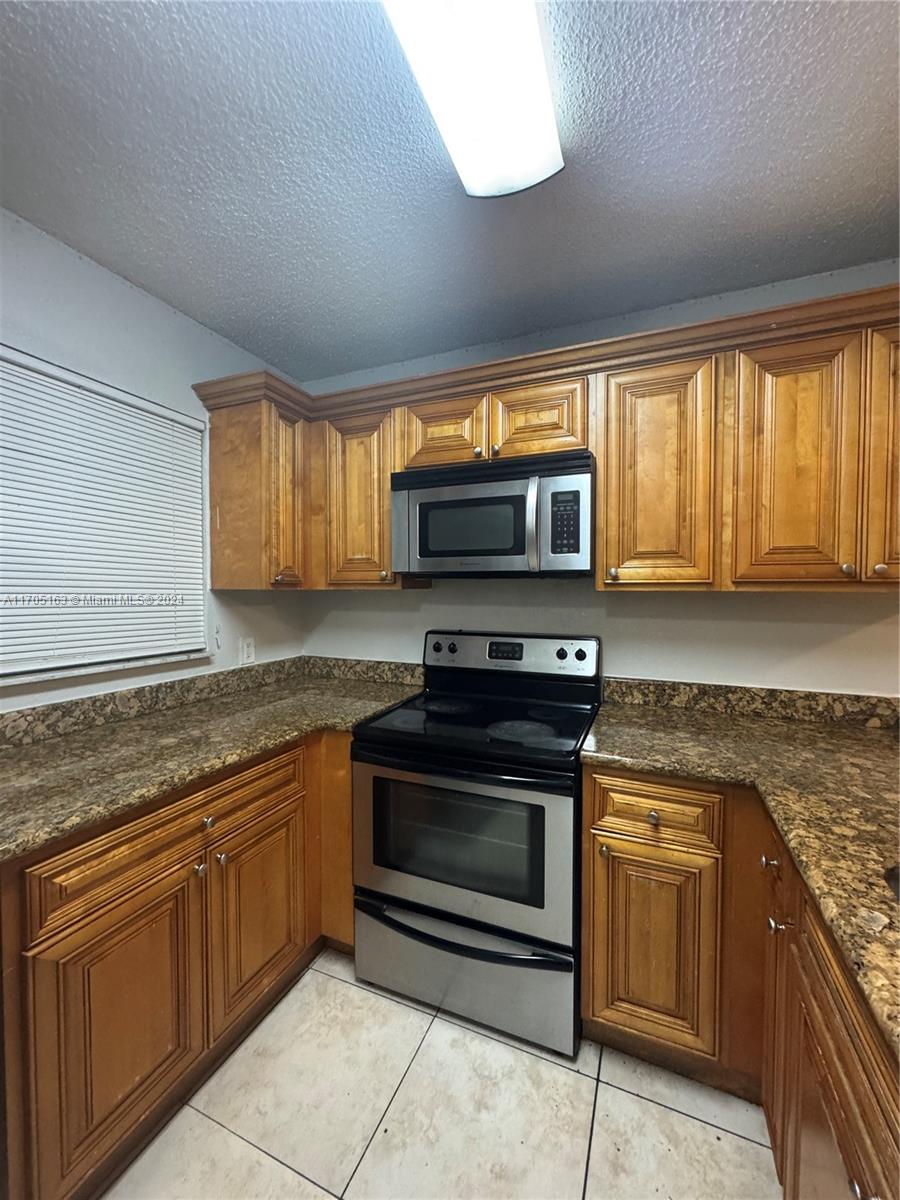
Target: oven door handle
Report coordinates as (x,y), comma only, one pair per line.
(538,960)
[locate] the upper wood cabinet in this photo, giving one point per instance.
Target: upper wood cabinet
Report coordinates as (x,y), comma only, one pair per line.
(358,505)
(655,500)
(796,500)
(881,470)
(255,454)
(443,431)
(540,418)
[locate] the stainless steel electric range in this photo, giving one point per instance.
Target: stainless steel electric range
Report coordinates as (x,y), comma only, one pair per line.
(465,832)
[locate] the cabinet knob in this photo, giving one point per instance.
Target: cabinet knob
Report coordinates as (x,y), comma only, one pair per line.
(653,817)
(200,869)
(604,850)
(382,574)
(222,859)
(208,822)
(779,926)
(478,452)
(613,572)
(848,568)
(880,569)
(857,1193)
(765,861)
(495,450)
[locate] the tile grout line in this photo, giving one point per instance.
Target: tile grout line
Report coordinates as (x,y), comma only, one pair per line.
(690,1116)
(267,1153)
(388,1105)
(458,1022)
(363,987)
(587,1158)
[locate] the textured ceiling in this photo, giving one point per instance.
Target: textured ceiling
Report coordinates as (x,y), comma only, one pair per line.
(271,170)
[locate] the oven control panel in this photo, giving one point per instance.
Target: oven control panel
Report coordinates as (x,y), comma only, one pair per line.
(537,654)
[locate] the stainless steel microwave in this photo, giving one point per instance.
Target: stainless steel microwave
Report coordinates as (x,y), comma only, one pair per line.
(526,516)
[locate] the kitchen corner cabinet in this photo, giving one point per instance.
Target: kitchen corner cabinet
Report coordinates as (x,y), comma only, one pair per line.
(656,475)
(255,456)
(797,483)
(359,458)
(880,559)
(538,418)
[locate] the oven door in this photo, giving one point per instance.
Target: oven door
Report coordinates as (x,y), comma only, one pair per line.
(474,527)
(502,855)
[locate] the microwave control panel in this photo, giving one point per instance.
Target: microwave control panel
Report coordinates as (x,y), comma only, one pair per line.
(565,522)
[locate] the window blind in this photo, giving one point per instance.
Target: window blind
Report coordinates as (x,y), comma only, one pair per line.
(101,523)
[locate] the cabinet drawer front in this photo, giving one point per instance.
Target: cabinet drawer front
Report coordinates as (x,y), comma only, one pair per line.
(669,816)
(64,888)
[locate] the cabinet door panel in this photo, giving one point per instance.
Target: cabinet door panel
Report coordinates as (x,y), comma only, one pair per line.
(117,1011)
(655,941)
(284,540)
(445,431)
(256,910)
(359,498)
(539,418)
(881,511)
(797,476)
(658,457)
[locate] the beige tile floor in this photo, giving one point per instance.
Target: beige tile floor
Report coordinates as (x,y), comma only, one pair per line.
(347,1090)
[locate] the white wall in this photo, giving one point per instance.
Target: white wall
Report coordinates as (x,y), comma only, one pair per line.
(822,642)
(60,306)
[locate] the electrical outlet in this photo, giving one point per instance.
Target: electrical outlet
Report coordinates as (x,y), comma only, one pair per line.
(246,651)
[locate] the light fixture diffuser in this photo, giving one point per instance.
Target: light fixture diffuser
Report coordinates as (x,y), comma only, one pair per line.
(480,66)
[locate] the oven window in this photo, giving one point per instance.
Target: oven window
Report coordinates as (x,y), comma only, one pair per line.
(489,526)
(479,843)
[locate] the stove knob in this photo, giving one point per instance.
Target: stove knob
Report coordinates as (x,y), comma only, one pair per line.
(437,647)
(561,654)
(453,647)
(580,655)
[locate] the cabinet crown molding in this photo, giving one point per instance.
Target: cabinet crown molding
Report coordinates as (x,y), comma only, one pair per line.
(291,401)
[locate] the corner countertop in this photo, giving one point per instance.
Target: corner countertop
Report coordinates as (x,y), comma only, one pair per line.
(831,790)
(53,788)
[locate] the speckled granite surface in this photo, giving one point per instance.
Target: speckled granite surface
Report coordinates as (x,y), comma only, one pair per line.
(52,788)
(832,791)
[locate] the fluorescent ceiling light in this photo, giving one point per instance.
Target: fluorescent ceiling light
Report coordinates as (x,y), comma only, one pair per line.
(480,65)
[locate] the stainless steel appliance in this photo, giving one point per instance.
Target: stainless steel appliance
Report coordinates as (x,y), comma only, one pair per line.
(519,516)
(465,818)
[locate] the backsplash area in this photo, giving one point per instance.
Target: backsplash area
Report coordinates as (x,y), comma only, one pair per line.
(53,720)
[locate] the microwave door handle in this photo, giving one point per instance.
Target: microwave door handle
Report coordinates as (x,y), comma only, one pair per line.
(541,960)
(531,522)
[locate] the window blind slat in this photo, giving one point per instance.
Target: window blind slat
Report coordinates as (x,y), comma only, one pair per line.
(101,523)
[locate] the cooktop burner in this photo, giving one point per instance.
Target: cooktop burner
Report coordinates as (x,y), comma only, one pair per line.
(520,731)
(447,706)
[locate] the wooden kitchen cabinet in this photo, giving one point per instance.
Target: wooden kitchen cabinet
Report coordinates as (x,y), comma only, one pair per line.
(539,418)
(656,474)
(655,927)
(255,467)
(256,910)
(881,464)
(797,483)
(116,1019)
(443,431)
(359,457)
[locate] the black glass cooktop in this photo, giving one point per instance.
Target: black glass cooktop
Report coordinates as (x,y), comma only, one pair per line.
(485,724)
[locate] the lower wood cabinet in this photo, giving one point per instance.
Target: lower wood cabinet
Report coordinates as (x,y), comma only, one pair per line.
(655,933)
(140,972)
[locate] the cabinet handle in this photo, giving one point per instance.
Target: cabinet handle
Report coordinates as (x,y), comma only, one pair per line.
(495,450)
(768,862)
(653,817)
(208,822)
(857,1193)
(222,858)
(382,574)
(478,452)
(880,569)
(613,572)
(604,850)
(779,926)
(848,568)
(286,575)
(200,870)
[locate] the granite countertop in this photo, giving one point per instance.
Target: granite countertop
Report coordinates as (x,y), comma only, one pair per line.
(831,790)
(53,788)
